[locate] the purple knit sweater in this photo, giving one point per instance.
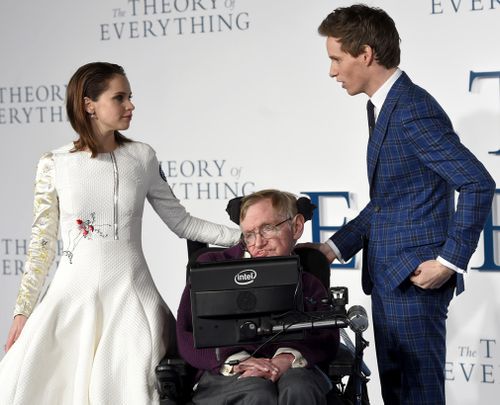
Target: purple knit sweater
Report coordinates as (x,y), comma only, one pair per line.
(317,347)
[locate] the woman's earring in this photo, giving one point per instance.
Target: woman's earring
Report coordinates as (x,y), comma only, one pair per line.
(92,115)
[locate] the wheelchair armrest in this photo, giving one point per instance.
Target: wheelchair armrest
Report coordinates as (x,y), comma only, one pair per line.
(342,364)
(172,381)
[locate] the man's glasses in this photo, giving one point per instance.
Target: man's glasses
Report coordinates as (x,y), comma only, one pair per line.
(266,231)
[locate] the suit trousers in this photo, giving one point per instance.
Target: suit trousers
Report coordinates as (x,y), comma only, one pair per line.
(410,340)
(296,386)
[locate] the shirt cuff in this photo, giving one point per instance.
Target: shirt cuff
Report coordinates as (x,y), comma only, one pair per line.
(298,362)
(227,369)
(335,250)
(451,266)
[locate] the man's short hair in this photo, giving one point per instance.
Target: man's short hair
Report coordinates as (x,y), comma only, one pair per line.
(359,25)
(283,202)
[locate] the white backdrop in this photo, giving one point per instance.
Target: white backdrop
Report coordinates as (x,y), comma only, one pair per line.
(234,95)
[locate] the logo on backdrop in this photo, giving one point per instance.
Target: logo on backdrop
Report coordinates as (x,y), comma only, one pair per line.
(160,18)
(215,179)
(474,363)
(459,6)
(38,104)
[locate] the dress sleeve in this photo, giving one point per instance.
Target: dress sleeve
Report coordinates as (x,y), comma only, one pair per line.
(175,216)
(43,241)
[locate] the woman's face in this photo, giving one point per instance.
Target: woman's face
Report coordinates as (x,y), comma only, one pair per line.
(112,111)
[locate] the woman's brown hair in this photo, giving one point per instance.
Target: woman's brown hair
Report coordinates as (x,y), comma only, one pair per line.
(90,80)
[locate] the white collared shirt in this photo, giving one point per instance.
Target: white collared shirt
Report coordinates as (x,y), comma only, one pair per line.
(378,98)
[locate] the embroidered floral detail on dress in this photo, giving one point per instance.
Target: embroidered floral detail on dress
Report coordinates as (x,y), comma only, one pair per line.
(86,229)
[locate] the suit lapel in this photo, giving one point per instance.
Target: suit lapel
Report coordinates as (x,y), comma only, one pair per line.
(380,130)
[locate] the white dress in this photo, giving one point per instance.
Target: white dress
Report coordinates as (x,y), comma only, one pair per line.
(97,335)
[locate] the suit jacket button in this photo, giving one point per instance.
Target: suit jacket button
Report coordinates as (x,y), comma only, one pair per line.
(376,208)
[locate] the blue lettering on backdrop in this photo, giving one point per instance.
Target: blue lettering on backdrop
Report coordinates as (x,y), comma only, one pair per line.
(32,104)
(476,365)
(206,179)
(489,245)
(440,6)
(180,6)
(13,253)
(317,228)
(484,75)
(160,18)
(489,228)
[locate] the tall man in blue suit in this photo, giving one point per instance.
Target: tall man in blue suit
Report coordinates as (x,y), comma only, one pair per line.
(416,245)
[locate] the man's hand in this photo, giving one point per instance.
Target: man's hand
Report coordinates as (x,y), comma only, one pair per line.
(15,330)
(431,274)
(283,361)
(322,247)
(257,367)
(271,369)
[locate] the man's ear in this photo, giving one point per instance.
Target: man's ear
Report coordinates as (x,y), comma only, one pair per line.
(298,226)
(368,55)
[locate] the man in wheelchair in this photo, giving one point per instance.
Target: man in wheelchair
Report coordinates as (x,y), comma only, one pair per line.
(283,372)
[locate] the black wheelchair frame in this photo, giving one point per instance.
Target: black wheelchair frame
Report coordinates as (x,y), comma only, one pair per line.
(175,378)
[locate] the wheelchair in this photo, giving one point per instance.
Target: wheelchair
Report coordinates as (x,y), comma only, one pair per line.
(347,372)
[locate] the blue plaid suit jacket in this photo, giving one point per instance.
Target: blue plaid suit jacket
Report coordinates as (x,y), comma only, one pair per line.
(415,163)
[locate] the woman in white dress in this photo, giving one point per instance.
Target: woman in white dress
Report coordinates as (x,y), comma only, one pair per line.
(102,327)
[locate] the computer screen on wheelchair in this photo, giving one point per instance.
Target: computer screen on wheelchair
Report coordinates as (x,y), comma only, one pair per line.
(238,301)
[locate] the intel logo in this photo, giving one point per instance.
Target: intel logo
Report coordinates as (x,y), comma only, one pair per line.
(245,277)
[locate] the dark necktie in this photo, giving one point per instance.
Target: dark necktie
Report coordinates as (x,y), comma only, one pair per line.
(370,109)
